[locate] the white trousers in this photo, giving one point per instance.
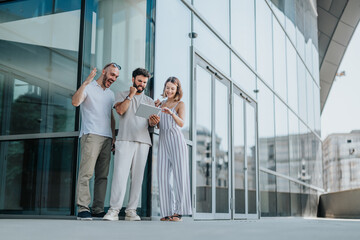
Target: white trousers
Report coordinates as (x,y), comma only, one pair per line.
(128,155)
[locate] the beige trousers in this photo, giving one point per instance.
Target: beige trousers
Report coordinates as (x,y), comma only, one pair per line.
(95,155)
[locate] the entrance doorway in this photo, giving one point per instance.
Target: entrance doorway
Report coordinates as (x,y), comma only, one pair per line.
(225,184)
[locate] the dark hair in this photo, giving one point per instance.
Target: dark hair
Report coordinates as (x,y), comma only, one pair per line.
(140,71)
(112,64)
(179,92)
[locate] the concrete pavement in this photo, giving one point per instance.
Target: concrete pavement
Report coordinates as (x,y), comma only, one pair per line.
(265,228)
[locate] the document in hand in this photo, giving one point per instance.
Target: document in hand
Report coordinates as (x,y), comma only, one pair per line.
(146,111)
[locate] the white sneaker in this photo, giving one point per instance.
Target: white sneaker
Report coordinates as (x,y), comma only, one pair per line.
(131,215)
(112,215)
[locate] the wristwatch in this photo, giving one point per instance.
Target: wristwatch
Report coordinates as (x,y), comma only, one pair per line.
(128,98)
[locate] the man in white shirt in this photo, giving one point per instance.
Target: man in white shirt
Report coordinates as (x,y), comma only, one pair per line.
(97,136)
(131,146)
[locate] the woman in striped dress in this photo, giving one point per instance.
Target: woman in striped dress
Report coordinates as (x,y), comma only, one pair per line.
(175,199)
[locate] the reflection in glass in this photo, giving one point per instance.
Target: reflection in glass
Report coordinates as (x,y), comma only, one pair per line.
(39,60)
(251,157)
(222,147)
(239,154)
(212,48)
(283,196)
(38,176)
(280,83)
(203,141)
(216,12)
(243,76)
(291,76)
(295,199)
(302,93)
(268,194)
(243,35)
(264,41)
(172,36)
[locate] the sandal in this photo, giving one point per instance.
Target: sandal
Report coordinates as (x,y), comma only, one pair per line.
(176,218)
(167,218)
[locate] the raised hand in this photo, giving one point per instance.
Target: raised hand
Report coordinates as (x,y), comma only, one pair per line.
(157,103)
(154,120)
(91,76)
(133,91)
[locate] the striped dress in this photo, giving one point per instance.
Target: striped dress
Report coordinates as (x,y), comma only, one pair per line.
(173,161)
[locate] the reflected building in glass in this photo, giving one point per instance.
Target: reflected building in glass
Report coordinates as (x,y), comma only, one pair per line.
(250,75)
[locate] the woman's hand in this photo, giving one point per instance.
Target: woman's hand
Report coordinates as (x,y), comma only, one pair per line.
(167,111)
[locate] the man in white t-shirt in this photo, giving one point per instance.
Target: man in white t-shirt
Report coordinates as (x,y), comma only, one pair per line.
(97,136)
(131,146)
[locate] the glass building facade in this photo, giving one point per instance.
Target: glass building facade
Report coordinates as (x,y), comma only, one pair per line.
(250,75)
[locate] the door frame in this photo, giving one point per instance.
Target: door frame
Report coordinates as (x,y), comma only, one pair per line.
(196,56)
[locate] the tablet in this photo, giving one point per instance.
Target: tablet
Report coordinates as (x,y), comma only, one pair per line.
(145,110)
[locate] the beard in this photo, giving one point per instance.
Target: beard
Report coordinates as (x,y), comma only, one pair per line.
(137,87)
(104,80)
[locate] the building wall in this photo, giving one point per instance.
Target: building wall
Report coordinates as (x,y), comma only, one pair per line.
(267,49)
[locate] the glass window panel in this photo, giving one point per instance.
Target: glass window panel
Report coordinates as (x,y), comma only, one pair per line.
(266,127)
(283,196)
(263,43)
(278,7)
(300,28)
(243,76)
(268,194)
(38,176)
(295,199)
(211,47)
(251,157)
(116,33)
(282,137)
(222,147)
(292,76)
(290,19)
(239,154)
(316,64)
(172,37)
(310,101)
(216,12)
(280,84)
(203,141)
(302,93)
(294,146)
(243,35)
(39,59)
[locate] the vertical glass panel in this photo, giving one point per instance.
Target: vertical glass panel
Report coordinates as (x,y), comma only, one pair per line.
(266,127)
(302,93)
(305,201)
(268,194)
(282,137)
(280,84)
(278,7)
(294,146)
(282,196)
(295,199)
(251,157)
(315,61)
(290,19)
(300,28)
(243,76)
(264,41)
(37,176)
(292,76)
(243,35)
(304,156)
(115,32)
(216,12)
(239,154)
(211,47)
(222,147)
(310,101)
(203,141)
(173,40)
(39,58)
(317,116)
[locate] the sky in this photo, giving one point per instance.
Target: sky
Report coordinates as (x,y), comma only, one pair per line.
(341,113)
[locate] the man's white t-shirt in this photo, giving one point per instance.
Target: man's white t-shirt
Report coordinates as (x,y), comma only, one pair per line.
(96,110)
(133,128)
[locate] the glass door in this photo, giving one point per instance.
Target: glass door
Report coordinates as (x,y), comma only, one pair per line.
(212,151)
(245,176)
